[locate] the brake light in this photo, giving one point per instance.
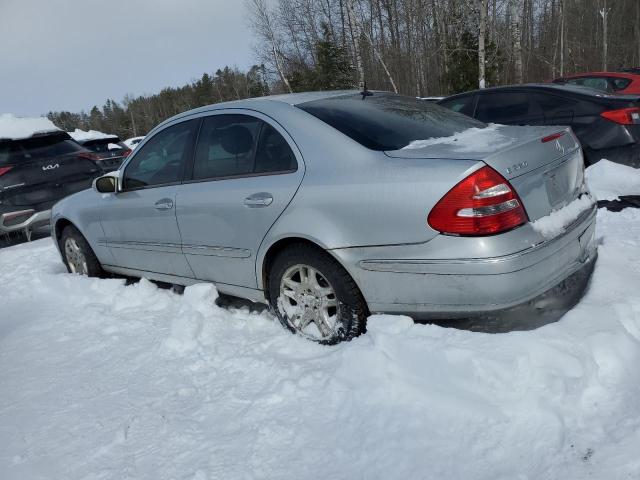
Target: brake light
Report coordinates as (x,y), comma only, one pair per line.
(624,116)
(126,152)
(4,170)
(552,137)
(484,203)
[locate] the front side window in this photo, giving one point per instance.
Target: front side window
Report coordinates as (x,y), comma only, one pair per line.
(232,145)
(504,107)
(382,121)
(597,83)
(161,160)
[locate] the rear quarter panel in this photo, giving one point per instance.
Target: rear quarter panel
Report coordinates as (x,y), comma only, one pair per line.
(351,196)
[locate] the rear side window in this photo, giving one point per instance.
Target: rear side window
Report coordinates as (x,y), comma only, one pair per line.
(462,105)
(386,121)
(226,146)
(274,153)
(240,145)
(34,148)
(619,83)
(503,107)
(161,160)
(550,102)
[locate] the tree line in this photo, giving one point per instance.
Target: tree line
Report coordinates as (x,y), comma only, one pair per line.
(438,47)
(413,47)
(137,115)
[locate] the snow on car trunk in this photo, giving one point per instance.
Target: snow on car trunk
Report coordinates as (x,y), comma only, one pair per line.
(106,380)
(543,164)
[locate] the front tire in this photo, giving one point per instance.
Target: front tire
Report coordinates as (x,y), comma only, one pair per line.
(78,254)
(314,296)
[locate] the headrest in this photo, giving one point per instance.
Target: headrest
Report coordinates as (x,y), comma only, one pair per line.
(236,139)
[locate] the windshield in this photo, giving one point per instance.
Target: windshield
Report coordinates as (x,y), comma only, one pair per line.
(43,146)
(383,121)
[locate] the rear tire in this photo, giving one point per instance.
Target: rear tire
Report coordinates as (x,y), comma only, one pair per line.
(78,254)
(313,295)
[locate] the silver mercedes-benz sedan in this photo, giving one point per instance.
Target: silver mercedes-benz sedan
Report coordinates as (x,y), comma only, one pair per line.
(330,206)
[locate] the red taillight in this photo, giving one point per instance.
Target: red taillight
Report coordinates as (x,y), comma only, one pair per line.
(126,152)
(484,203)
(624,116)
(4,170)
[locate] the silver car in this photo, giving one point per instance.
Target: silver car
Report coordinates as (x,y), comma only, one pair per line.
(331,206)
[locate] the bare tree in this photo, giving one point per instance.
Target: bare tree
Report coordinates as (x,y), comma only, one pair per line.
(482,33)
(262,24)
(516,27)
(604,13)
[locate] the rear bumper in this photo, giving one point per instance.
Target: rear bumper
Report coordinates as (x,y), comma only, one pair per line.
(437,287)
(27,219)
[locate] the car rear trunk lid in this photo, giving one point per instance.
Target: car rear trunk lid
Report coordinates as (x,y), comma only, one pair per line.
(543,164)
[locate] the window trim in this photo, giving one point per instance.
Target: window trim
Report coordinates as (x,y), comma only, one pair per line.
(188,153)
(188,176)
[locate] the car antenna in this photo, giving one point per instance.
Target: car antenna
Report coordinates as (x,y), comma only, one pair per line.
(365,93)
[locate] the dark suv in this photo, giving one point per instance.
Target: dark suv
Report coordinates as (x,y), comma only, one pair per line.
(107,152)
(35,173)
(608,126)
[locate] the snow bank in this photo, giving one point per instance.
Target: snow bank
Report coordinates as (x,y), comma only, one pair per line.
(608,180)
(470,140)
(15,128)
(82,136)
(104,380)
(555,223)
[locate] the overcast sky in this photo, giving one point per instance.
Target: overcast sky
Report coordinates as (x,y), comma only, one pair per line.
(73,54)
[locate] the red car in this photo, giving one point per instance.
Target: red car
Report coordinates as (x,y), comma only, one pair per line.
(611,82)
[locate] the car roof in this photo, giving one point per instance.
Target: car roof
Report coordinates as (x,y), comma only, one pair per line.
(287,99)
(551,87)
(601,74)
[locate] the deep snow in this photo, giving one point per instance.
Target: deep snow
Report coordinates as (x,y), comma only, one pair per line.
(608,180)
(99,380)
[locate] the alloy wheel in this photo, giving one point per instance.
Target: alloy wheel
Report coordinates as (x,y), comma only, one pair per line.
(75,258)
(309,302)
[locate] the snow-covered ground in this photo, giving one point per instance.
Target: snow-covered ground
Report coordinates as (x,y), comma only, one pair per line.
(608,180)
(100,380)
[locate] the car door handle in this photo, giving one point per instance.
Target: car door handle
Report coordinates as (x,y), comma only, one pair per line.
(164,204)
(262,199)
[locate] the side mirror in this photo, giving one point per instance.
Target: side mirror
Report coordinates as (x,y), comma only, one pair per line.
(106,184)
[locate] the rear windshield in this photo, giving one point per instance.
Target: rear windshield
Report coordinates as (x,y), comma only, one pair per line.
(43,146)
(104,145)
(384,121)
